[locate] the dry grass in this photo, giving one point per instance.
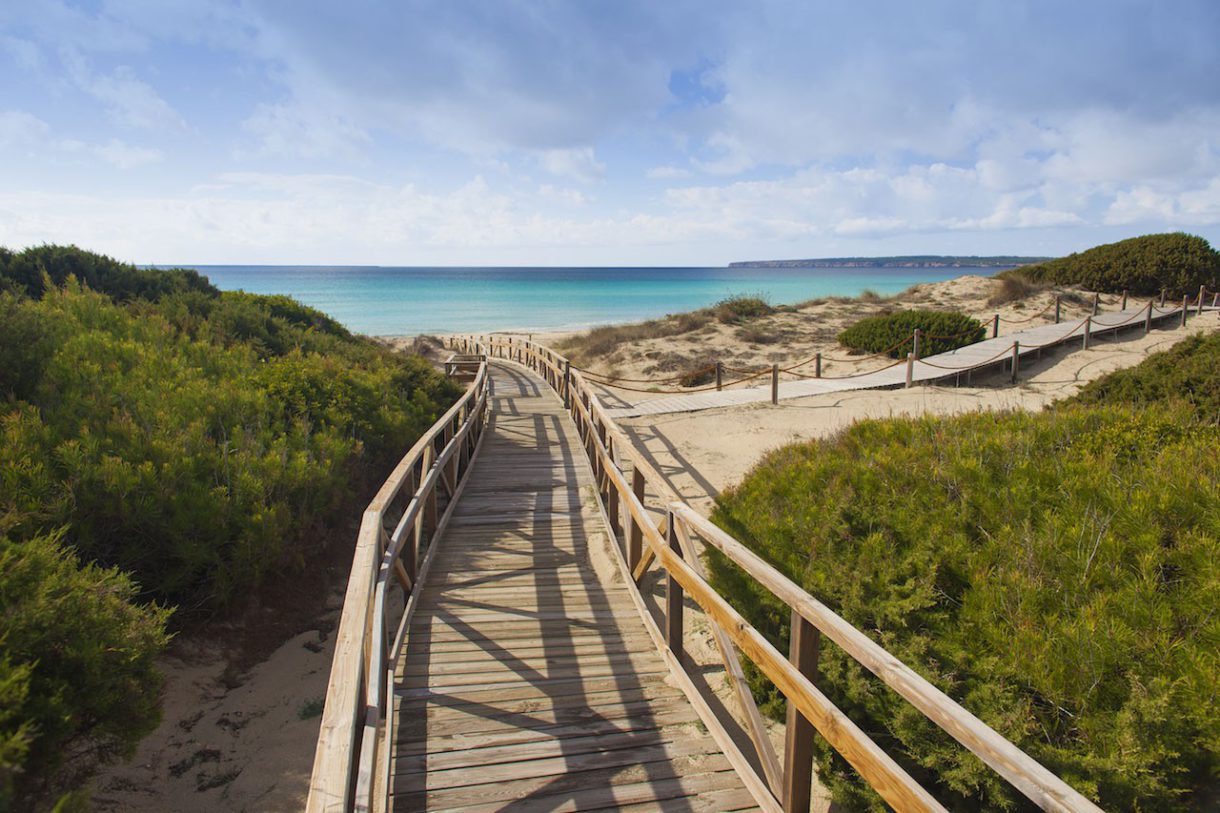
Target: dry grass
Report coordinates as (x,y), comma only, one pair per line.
(601,342)
(1013,288)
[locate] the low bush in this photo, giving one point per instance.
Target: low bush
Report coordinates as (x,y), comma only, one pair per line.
(1178,263)
(704,373)
(158,433)
(78,683)
(1056,573)
(1014,288)
(1188,372)
(941,331)
(35,270)
(736,309)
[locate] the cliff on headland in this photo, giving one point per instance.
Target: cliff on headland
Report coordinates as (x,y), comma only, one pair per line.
(916,261)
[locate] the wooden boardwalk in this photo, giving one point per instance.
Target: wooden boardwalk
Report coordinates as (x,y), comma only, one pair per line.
(529,681)
(987,353)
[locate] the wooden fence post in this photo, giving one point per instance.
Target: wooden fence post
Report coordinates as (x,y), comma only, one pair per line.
(1058,304)
(798,746)
(1124,305)
(915,342)
(1202,291)
(1185,308)
(775,383)
(995,326)
(817,368)
(1148,319)
(635,537)
(910,368)
(1162,299)
(719,376)
(673,594)
(567,385)
(1088,328)
(1016,359)
(1096,302)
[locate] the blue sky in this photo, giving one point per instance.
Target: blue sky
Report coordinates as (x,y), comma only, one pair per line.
(603,133)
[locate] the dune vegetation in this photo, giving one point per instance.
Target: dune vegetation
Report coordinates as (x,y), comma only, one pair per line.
(1176,263)
(941,331)
(1056,573)
(165,445)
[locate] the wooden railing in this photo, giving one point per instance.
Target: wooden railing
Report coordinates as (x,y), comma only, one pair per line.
(352,761)
(651,524)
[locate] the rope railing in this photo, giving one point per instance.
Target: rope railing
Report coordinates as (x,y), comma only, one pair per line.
(651,525)
(750,374)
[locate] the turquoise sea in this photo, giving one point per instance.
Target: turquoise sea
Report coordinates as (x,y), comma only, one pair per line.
(386,301)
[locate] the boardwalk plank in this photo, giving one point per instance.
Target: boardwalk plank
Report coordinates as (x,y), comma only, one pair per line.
(527,681)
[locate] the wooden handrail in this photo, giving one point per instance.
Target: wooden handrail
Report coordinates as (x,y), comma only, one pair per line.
(603,440)
(349,770)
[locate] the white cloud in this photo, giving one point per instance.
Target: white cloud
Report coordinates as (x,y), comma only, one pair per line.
(293,130)
(19,127)
(564,195)
(129,100)
(578,164)
(666,172)
(125,156)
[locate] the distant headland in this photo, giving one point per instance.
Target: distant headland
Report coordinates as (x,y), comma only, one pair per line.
(914,261)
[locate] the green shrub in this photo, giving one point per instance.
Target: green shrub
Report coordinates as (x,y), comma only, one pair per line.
(1056,573)
(198,441)
(199,466)
(35,270)
(78,683)
(28,342)
(1178,263)
(1189,371)
(941,331)
(736,309)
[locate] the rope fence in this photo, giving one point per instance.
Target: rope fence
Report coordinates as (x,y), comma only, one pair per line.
(745,374)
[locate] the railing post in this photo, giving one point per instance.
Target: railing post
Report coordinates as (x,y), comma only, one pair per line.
(775,383)
(817,365)
(1088,329)
(1096,302)
(1185,308)
(1202,291)
(798,746)
(995,326)
(567,384)
(635,538)
(1148,319)
(1016,359)
(612,508)
(673,594)
(1058,305)
(910,368)
(1162,299)
(1124,305)
(915,342)
(1215,298)
(719,376)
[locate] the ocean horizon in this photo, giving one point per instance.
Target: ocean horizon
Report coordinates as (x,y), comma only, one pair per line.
(409,300)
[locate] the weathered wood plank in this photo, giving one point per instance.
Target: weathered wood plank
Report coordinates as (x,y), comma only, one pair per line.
(527,675)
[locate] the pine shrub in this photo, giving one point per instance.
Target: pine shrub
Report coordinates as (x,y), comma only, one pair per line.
(1058,574)
(1177,263)
(941,331)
